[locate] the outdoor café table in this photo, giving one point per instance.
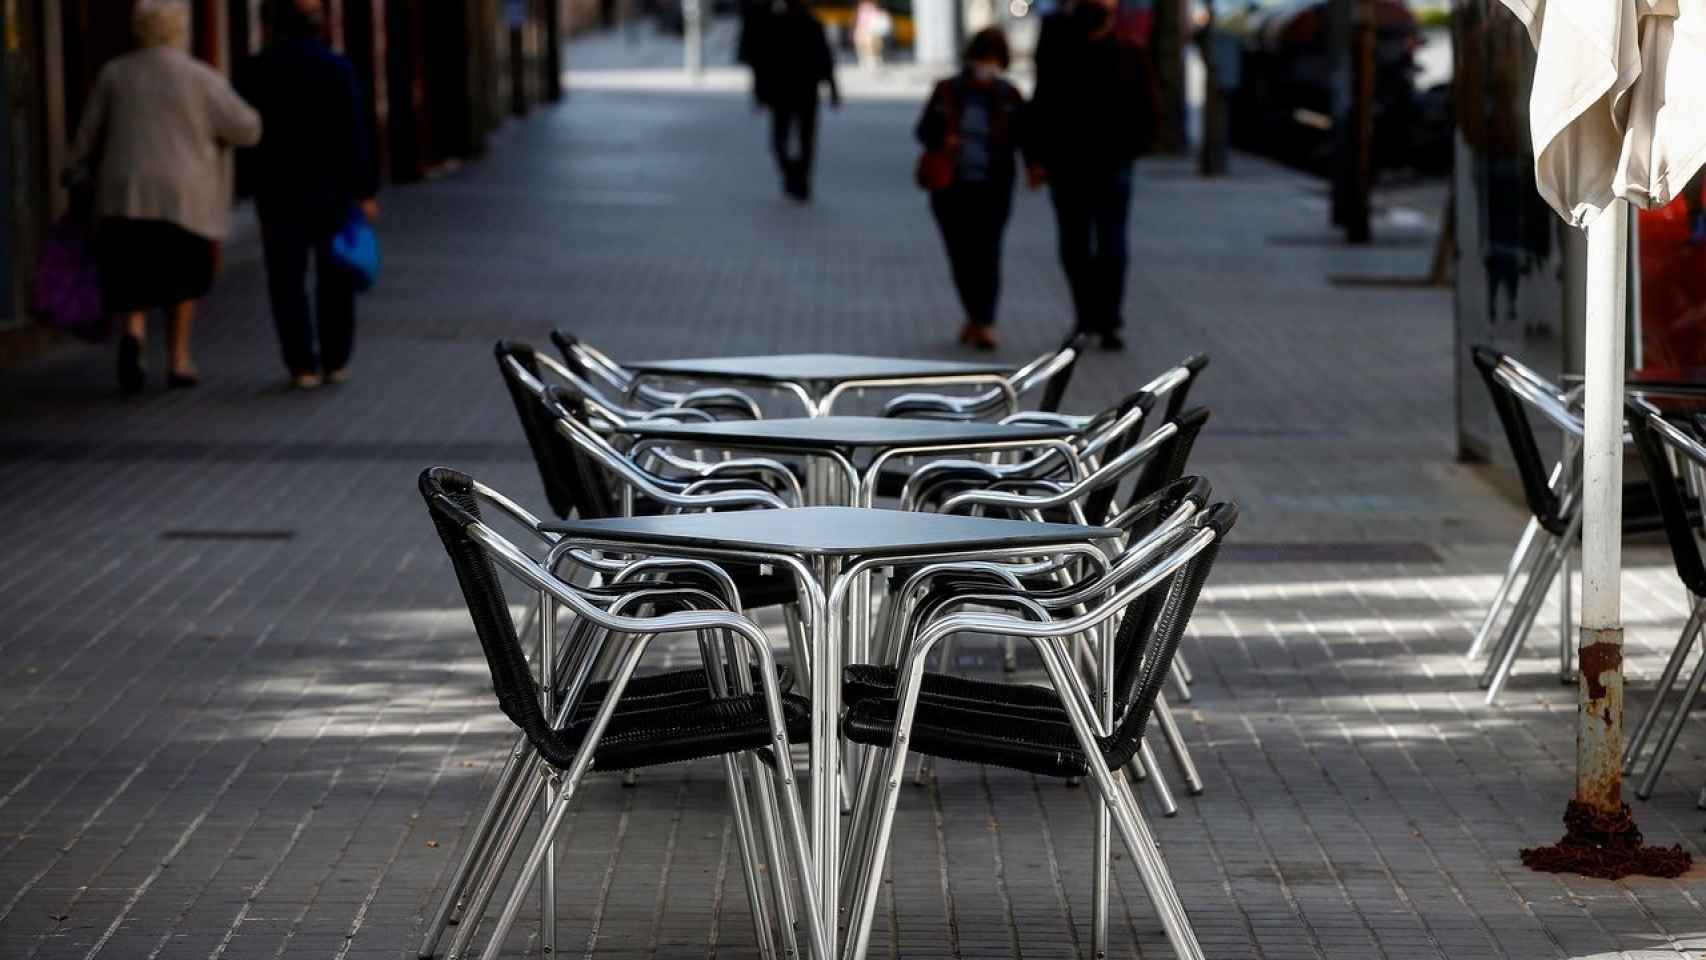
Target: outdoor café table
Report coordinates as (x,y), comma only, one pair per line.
(817,380)
(839,441)
(826,549)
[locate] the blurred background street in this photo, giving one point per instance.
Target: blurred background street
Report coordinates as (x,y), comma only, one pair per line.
(242,709)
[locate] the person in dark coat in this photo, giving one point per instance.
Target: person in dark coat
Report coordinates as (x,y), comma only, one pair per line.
(1094,112)
(315,163)
(785,46)
(980,118)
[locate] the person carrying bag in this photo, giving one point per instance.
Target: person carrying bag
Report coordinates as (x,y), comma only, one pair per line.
(972,129)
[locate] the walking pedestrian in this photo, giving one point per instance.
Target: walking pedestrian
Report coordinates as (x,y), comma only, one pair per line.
(974,125)
(152,141)
(790,59)
(871,27)
(314,166)
(1093,114)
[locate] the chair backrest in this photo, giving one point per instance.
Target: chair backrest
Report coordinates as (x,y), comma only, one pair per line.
(1193,365)
(1097,503)
(1544,502)
(568,346)
(598,493)
(1656,439)
(455,507)
(1066,359)
(552,454)
(1171,461)
(1150,632)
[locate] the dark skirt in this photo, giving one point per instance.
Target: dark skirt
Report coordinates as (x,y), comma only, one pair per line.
(149,264)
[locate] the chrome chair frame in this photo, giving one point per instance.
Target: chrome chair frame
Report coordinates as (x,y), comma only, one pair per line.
(1541,557)
(1679,449)
(626,383)
(479,862)
(643,630)
(874,810)
(1034,374)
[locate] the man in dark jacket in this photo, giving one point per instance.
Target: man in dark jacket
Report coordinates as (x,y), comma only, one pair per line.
(785,46)
(1092,115)
(315,163)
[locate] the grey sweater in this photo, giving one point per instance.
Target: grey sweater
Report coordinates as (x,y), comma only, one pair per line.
(156,135)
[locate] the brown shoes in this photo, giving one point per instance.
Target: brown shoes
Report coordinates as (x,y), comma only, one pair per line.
(979,336)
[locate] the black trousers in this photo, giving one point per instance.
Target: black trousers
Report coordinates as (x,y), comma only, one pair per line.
(790,120)
(1092,211)
(288,246)
(973,221)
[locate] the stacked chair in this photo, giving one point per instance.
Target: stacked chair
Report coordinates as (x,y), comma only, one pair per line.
(1674,458)
(1106,632)
(1553,496)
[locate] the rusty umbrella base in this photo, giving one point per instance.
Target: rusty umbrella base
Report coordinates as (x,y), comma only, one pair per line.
(1607,846)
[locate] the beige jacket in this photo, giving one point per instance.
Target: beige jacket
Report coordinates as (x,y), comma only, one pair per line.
(155,136)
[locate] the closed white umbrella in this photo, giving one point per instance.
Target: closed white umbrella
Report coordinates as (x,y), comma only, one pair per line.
(1618,113)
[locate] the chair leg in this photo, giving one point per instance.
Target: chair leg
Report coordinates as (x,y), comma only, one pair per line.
(473,852)
(1158,783)
(1176,744)
(1181,681)
(1151,867)
(1522,620)
(1672,731)
(1128,819)
(747,845)
(868,882)
(852,857)
(775,851)
(625,664)
(1009,657)
(799,848)
(1667,681)
(1519,559)
(1184,667)
(1101,859)
(501,852)
(1566,635)
(797,644)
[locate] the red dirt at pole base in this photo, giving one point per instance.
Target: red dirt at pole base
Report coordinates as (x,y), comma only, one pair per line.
(1607,846)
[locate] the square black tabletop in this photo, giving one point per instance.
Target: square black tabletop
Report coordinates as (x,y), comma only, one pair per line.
(829,531)
(840,433)
(812,368)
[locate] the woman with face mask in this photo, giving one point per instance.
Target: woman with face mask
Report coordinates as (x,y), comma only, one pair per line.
(975,121)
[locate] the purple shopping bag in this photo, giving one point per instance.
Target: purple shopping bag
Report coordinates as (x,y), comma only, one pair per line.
(68,282)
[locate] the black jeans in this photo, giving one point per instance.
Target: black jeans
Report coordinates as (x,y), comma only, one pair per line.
(288,246)
(973,219)
(788,118)
(1091,212)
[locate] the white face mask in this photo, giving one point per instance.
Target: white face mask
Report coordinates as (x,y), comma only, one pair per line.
(985,72)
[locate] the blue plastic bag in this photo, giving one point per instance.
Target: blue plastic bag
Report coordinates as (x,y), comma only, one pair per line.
(356,248)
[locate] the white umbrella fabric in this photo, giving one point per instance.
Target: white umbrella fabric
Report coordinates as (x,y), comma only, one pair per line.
(1618,116)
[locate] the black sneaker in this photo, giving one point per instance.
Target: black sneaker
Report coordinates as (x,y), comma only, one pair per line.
(1112,342)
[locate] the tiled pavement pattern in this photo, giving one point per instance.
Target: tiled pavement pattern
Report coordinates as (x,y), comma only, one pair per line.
(268,746)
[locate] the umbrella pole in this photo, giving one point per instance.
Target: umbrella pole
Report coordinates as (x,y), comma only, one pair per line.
(1599,686)
(1600,837)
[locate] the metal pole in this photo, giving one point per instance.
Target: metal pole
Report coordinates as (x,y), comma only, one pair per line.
(693,47)
(1599,727)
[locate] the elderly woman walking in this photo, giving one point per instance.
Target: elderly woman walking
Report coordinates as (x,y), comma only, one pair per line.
(153,139)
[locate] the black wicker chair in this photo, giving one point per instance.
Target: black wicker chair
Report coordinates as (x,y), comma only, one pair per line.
(573,727)
(1553,498)
(1661,445)
(1057,733)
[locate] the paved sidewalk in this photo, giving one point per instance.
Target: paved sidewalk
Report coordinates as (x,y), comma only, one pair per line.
(242,713)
